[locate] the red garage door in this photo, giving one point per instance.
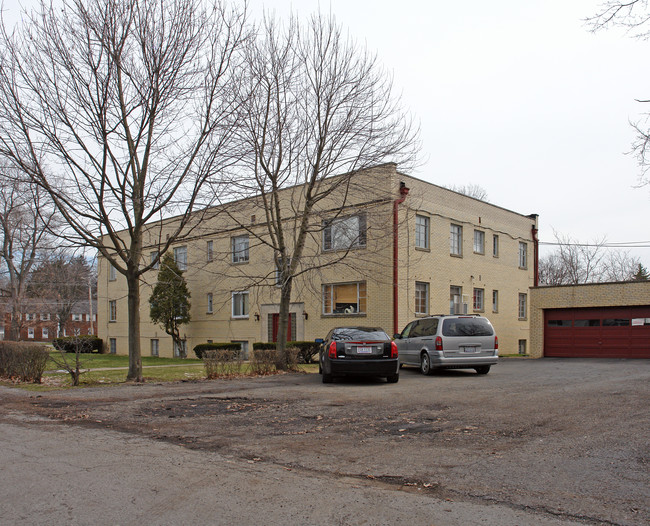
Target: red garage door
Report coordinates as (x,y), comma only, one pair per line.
(615,332)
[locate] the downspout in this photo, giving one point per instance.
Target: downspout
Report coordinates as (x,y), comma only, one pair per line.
(403,191)
(535,255)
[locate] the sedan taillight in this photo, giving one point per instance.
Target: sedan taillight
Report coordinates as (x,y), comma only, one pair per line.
(438,343)
(332,350)
(393,350)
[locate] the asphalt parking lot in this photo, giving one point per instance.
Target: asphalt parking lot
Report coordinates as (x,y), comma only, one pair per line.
(533,442)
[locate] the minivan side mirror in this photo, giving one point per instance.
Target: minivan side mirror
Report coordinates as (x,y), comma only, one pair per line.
(397,336)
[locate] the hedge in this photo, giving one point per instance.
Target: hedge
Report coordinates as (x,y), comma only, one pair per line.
(23,361)
(203,347)
(86,344)
(306,350)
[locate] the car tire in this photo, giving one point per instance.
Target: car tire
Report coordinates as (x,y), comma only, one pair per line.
(425,364)
(483,369)
(327,378)
(393,379)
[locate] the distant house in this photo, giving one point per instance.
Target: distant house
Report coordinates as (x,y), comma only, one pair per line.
(413,249)
(40,322)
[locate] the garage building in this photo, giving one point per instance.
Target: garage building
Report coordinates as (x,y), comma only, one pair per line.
(595,320)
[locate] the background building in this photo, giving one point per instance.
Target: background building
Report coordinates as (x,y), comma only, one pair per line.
(382,250)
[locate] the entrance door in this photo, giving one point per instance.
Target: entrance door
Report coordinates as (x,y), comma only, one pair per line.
(274,323)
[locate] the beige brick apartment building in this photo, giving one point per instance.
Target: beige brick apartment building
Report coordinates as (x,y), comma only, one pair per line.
(448,253)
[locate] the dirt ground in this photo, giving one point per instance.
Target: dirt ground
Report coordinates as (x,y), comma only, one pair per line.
(567,439)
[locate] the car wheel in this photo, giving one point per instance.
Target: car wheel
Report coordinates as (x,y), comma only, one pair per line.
(393,379)
(483,369)
(327,378)
(425,364)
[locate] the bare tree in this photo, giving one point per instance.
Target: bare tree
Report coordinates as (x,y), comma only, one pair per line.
(471,190)
(25,220)
(573,263)
(316,104)
(122,110)
(634,17)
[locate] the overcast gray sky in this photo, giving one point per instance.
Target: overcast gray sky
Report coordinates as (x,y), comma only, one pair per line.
(516,96)
(520,98)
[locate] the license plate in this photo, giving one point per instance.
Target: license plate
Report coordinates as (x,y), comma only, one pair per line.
(469,349)
(364,350)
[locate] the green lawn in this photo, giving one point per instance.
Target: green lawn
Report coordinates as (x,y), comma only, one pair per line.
(95,361)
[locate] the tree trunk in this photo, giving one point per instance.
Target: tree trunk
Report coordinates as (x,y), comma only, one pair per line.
(283,323)
(135,360)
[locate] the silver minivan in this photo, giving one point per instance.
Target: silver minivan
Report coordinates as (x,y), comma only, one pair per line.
(449,342)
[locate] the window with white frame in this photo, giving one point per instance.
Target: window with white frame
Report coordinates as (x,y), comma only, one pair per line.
(344,298)
(240,249)
(495,301)
(154,261)
(421,297)
(180,257)
(479,242)
(456,240)
(77,317)
(495,246)
(523,255)
(30,317)
(343,233)
(155,347)
(421,231)
(478,299)
(45,316)
(112,310)
(455,300)
(209,251)
(112,272)
(45,333)
(30,332)
(240,304)
(209,298)
(522,346)
(522,306)
(112,345)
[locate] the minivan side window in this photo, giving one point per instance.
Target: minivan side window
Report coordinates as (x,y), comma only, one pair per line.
(408,329)
(429,327)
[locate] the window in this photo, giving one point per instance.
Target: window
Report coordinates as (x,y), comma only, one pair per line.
(421,298)
(112,273)
(559,323)
(455,303)
(523,255)
(240,304)
(45,317)
(495,301)
(345,298)
(77,317)
(479,242)
(421,232)
(495,246)
(243,351)
(522,306)
(180,256)
(30,317)
(112,310)
(30,332)
(112,345)
(345,232)
(155,262)
(178,348)
(155,347)
(209,251)
(45,333)
(522,346)
(456,240)
(77,331)
(209,302)
(478,300)
(239,246)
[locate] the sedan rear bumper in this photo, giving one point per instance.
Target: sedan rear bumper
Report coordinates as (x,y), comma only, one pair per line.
(383,367)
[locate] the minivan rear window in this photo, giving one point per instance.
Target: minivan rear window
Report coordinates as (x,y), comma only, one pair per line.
(467,327)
